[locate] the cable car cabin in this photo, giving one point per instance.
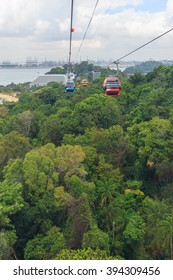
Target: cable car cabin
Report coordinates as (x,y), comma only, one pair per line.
(78,79)
(112,86)
(70,86)
(84,83)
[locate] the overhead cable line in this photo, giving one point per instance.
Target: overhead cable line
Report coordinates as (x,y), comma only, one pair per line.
(87,29)
(71,30)
(107,13)
(117,61)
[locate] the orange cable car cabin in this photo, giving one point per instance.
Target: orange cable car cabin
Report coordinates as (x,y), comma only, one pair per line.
(84,82)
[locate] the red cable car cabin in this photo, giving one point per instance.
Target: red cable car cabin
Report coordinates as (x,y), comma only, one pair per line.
(112,86)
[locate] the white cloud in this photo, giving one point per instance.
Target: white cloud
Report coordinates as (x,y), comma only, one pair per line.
(41,28)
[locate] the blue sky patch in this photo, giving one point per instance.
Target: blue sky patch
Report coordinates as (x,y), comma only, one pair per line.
(151,6)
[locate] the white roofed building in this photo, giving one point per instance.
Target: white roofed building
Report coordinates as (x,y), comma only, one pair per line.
(48,78)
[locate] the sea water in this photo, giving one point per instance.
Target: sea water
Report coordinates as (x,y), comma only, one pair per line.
(20,75)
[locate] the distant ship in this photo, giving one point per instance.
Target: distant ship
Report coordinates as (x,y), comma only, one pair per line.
(8,64)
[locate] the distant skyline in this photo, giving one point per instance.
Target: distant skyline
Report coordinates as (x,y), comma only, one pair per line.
(40,28)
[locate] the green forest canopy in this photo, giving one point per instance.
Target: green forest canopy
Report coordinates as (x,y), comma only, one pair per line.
(85,176)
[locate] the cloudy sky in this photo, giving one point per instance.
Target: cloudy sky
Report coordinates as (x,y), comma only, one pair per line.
(40,29)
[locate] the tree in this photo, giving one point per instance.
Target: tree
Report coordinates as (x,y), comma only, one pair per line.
(152,139)
(151,142)
(55,126)
(13,145)
(105,170)
(3,111)
(96,238)
(21,122)
(135,228)
(7,240)
(165,228)
(78,222)
(11,200)
(62,199)
(117,145)
(136,79)
(95,111)
(26,122)
(158,235)
(134,237)
(45,247)
(46,94)
(38,171)
(159,220)
(69,161)
(83,254)
(77,186)
(107,190)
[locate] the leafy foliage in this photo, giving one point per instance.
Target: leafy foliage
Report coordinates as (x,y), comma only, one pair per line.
(85,176)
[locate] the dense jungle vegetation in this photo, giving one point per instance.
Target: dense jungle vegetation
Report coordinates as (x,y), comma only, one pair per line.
(85,176)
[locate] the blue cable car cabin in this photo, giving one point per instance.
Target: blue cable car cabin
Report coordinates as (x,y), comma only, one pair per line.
(70,86)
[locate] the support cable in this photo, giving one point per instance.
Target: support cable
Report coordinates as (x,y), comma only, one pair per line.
(71,26)
(87,29)
(117,61)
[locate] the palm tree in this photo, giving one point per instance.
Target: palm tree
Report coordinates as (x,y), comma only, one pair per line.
(158,216)
(165,228)
(108,190)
